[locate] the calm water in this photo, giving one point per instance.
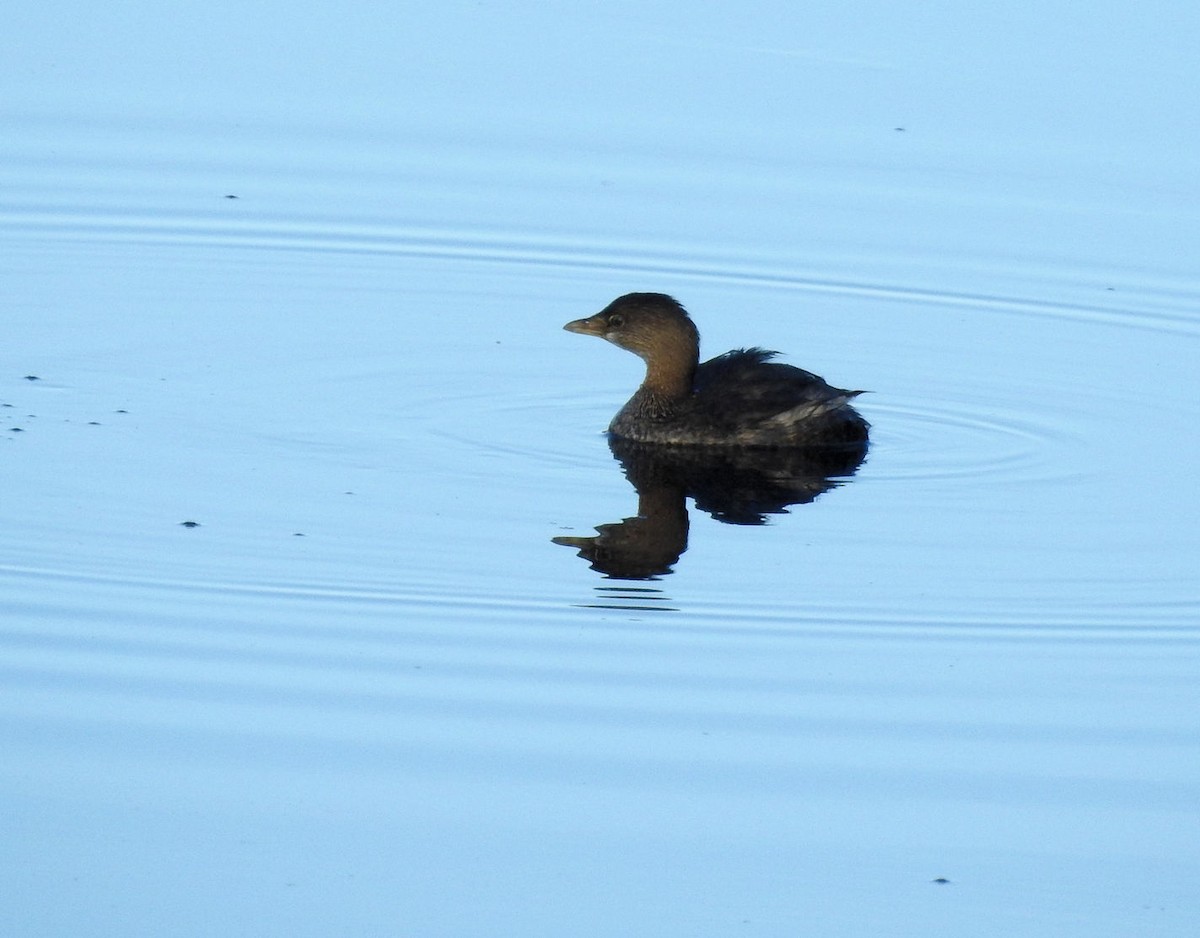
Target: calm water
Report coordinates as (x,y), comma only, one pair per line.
(298,277)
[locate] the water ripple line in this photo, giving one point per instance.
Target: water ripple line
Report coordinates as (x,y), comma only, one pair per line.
(333,236)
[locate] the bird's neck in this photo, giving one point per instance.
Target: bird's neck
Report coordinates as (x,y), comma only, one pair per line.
(669,375)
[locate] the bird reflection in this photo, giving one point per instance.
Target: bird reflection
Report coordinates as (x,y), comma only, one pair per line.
(735,486)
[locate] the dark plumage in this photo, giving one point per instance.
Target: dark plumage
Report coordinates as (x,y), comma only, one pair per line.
(741,398)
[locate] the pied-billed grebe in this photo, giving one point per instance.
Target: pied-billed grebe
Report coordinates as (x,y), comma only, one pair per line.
(741,398)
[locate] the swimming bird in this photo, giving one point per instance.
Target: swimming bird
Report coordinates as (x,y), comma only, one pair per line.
(742,398)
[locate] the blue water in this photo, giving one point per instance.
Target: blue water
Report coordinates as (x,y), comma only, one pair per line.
(298,275)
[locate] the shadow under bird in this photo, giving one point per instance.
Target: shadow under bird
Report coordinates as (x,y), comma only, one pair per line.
(735,485)
(739,399)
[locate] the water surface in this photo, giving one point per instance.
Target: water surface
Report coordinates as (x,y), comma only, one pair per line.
(298,279)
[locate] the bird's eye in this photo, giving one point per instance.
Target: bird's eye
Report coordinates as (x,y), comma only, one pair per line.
(616,321)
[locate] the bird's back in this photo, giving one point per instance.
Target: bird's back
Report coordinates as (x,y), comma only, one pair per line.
(747,398)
